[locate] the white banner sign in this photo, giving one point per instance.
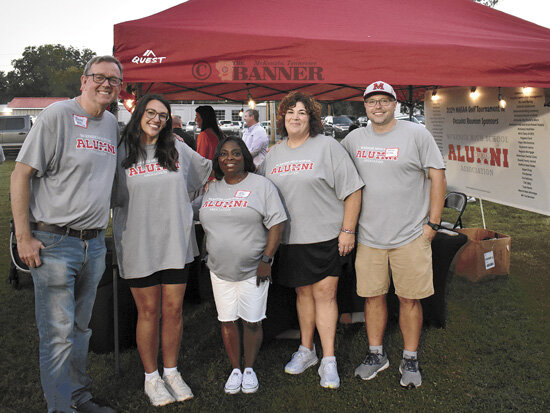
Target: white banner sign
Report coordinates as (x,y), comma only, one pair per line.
(494,153)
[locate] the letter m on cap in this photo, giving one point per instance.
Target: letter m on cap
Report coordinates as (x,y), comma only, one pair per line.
(378,86)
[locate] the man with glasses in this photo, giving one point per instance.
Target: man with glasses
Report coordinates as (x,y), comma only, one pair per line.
(60,194)
(403,198)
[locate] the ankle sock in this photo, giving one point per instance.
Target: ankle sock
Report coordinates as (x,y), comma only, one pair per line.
(169,370)
(409,354)
(248,369)
(376,349)
(152,376)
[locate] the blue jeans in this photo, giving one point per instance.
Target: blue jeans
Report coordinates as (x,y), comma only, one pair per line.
(65,288)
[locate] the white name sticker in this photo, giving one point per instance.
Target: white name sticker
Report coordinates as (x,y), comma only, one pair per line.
(489,260)
(80,121)
(242,194)
(392,152)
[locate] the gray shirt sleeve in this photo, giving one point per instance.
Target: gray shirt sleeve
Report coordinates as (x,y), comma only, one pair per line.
(236,219)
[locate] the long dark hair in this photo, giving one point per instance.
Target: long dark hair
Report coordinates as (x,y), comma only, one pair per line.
(209,120)
(248,161)
(165,148)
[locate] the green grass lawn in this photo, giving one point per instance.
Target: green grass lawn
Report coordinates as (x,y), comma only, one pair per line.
(492,356)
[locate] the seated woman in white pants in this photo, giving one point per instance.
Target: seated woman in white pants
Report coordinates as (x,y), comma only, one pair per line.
(243,218)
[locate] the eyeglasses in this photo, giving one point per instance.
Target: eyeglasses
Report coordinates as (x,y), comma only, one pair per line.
(99,79)
(373,102)
(151,113)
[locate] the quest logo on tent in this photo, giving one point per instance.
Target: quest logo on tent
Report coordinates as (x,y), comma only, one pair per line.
(148,57)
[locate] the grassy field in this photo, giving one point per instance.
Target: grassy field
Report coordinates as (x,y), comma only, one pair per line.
(492,356)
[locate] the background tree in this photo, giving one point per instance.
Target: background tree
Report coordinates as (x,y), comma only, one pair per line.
(490,3)
(47,70)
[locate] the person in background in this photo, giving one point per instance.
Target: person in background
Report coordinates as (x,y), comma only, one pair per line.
(152,229)
(321,190)
(243,218)
(60,210)
(210,131)
(254,136)
(403,200)
(181,134)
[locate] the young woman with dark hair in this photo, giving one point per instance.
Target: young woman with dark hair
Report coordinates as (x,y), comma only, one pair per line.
(152,226)
(210,131)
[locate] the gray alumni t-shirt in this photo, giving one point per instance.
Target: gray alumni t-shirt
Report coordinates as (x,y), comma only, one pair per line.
(314,179)
(152,215)
(75,158)
(394,167)
(236,219)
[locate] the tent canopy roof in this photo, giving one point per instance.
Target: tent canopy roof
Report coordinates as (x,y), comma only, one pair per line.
(213,49)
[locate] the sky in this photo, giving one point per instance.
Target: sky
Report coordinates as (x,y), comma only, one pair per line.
(89,24)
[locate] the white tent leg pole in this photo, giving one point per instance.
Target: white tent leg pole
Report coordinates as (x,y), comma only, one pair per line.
(482,213)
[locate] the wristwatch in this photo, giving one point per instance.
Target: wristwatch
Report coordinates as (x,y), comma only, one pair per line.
(435,227)
(267,259)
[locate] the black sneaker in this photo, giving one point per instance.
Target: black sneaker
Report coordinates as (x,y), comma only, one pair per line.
(93,406)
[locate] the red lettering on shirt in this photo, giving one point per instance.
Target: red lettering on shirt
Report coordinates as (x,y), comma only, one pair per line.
(293,167)
(225,203)
(379,154)
(96,145)
(150,168)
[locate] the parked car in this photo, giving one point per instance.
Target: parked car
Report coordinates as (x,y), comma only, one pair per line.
(191,128)
(13,131)
(337,126)
(228,128)
(362,121)
(421,119)
(404,116)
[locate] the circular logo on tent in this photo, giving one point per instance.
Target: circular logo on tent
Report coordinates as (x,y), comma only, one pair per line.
(202,70)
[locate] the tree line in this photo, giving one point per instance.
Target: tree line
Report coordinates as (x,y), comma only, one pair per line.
(50,70)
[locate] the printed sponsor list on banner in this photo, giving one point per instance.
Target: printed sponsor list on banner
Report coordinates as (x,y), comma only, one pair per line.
(494,152)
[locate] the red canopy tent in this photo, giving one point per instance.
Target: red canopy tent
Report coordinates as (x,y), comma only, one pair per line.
(219,49)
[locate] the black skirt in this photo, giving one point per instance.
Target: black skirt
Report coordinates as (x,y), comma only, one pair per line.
(298,265)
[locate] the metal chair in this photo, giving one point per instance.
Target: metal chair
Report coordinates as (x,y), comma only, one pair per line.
(458,202)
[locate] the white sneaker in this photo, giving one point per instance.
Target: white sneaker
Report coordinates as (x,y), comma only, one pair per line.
(233,383)
(177,387)
(157,392)
(301,360)
(328,371)
(250,381)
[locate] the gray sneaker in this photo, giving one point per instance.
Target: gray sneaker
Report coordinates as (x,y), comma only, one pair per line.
(410,374)
(372,364)
(301,360)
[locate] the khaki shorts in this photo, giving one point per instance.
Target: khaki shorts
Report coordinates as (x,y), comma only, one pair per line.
(410,266)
